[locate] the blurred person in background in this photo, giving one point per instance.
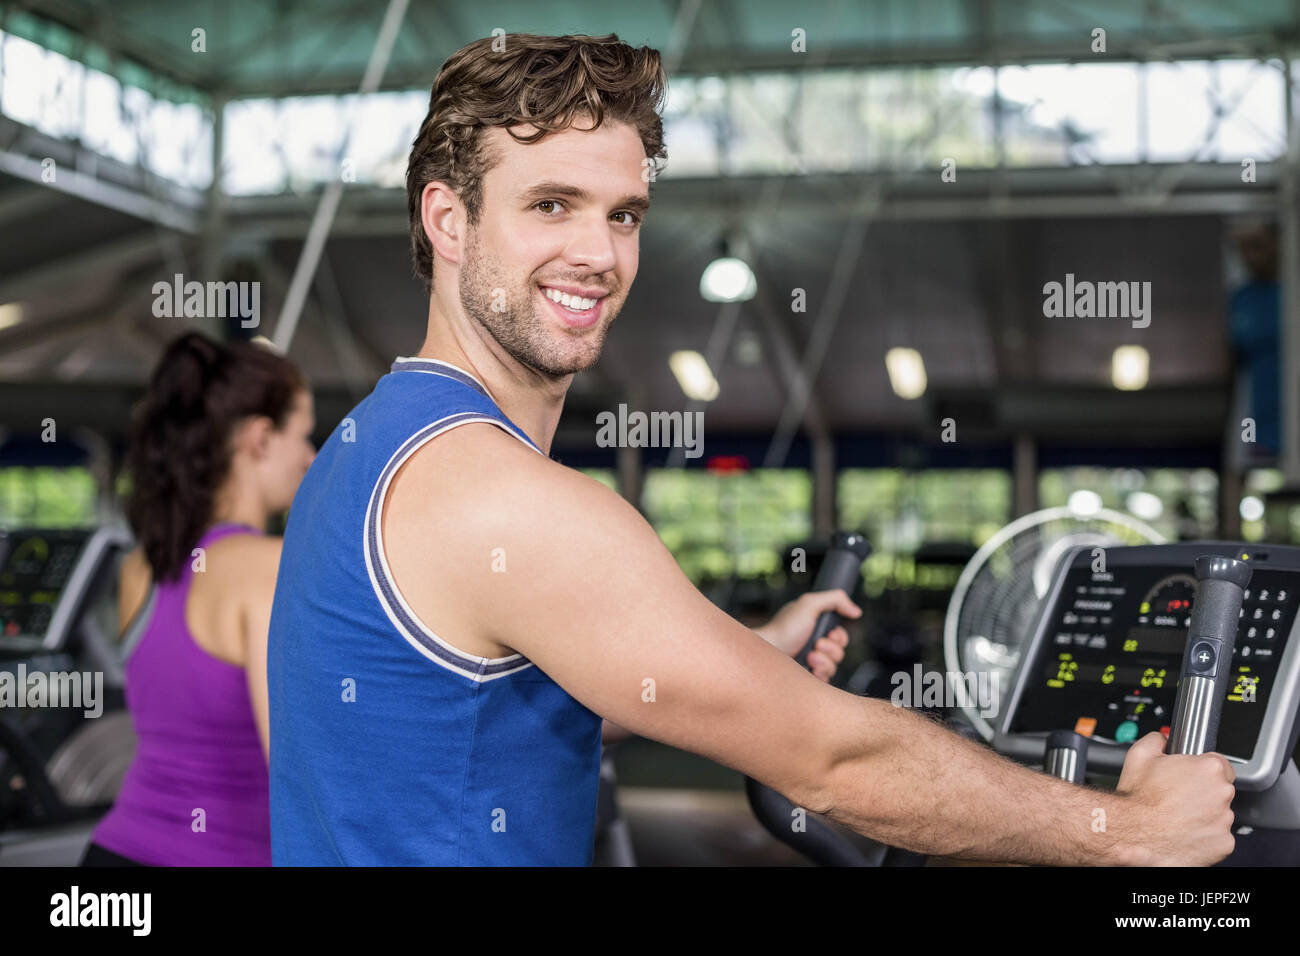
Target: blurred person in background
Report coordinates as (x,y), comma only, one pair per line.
(219,445)
(1254,317)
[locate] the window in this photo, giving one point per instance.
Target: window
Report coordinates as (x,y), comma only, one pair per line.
(47,497)
(738,523)
(902,510)
(1179,503)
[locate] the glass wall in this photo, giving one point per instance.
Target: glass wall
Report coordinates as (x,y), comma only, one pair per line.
(1179,503)
(720,525)
(606,476)
(47,497)
(900,511)
(1265,517)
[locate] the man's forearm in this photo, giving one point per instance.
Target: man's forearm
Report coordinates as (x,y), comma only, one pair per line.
(910,783)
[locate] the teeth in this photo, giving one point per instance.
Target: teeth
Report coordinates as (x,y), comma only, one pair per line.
(573,303)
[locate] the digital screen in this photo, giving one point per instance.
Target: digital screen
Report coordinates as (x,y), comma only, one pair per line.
(34,572)
(1110,660)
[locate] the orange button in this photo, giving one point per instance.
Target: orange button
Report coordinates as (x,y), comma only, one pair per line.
(1165,731)
(1084,726)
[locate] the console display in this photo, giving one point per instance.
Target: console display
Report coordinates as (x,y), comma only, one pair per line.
(1110,658)
(34,572)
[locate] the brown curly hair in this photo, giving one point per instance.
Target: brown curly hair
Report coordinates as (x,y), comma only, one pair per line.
(521,78)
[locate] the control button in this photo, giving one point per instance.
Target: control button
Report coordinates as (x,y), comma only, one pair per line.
(1126,732)
(1246,596)
(1259,612)
(1252,633)
(1165,730)
(1281,596)
(1277,614)
(1084,726)
(1203,658)
(1264,653)
(1270,634)
(1245,651)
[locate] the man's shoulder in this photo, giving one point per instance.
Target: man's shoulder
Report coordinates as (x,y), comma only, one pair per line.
(481,483)
(478,462)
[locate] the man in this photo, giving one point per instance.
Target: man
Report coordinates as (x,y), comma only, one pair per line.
(454,609)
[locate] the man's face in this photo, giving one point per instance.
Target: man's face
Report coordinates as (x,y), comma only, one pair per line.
(561,214)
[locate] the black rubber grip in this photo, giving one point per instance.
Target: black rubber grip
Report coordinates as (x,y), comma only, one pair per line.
(814,837)
(806,833)
(840,569)
(1211,637)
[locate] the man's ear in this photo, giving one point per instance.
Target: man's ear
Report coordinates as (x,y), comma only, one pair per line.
(442,216)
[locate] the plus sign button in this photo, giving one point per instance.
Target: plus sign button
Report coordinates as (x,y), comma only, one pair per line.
(1204,655)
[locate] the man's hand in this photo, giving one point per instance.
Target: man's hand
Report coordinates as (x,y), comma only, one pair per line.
(790,628)
(1183,806)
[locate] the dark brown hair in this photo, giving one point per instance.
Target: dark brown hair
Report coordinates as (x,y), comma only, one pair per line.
(180,438)
(539,80)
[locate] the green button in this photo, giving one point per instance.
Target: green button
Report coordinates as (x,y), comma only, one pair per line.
(1126,732)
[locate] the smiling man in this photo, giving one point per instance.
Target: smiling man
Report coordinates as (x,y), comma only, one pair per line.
(455,612)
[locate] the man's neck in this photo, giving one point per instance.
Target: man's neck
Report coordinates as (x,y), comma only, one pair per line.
(531,400)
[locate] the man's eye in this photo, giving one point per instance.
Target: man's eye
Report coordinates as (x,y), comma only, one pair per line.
(633,218)
(545,202)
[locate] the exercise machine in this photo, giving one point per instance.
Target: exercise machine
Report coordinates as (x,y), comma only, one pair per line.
(60,766)
(1197,640)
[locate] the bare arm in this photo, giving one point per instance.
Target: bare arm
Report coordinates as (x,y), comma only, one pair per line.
(788,632)
(262,567)
(597,602)
(132,588)
(938,793)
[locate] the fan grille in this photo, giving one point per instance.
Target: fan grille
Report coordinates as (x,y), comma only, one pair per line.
(998,594)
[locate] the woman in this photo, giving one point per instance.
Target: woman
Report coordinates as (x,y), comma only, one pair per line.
(219,444)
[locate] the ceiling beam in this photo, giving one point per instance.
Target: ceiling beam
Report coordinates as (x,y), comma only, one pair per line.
(78,268)
(1068,192)
(100,27)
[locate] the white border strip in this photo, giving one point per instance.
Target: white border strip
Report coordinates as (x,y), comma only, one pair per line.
(472,666)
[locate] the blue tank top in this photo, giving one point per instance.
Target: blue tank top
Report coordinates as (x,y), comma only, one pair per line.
(389,746)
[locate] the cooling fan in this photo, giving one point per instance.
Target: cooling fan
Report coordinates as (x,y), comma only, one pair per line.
(999,591)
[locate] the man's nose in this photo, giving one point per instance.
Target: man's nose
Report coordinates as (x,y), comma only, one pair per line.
(591,245)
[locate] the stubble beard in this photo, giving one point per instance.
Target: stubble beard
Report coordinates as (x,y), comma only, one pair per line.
(526,335)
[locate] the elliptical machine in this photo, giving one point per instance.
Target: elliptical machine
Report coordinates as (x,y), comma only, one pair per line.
(1105,646)
(60,765)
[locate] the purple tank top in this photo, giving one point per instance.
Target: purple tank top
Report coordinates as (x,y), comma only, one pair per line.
(198,749)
